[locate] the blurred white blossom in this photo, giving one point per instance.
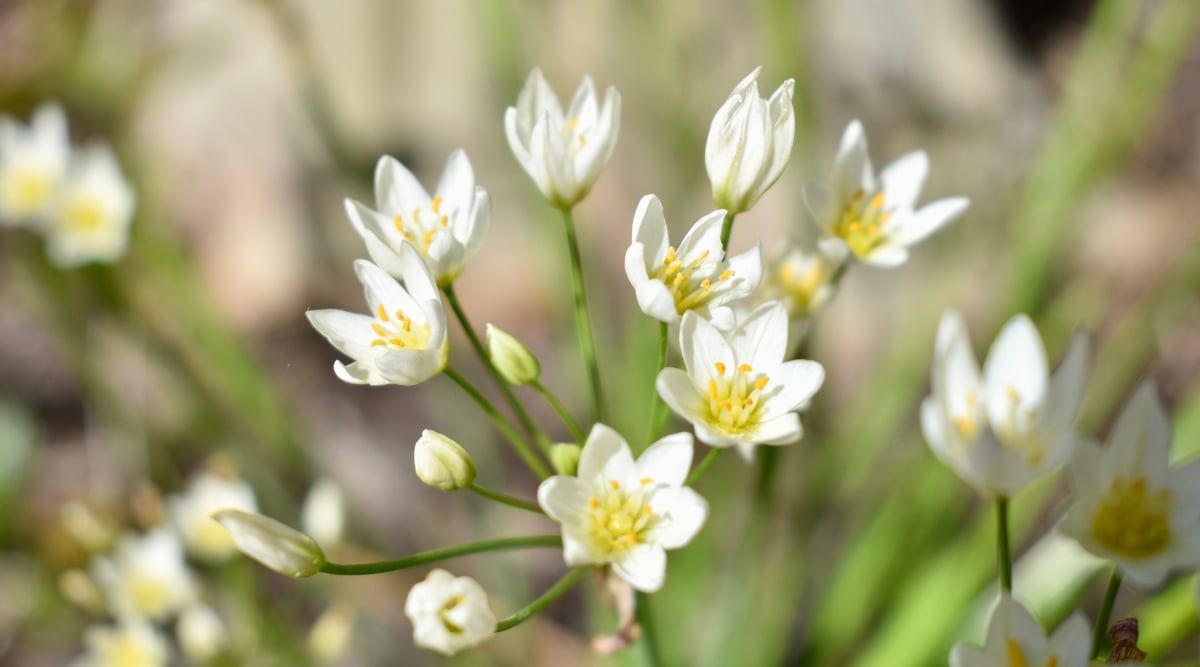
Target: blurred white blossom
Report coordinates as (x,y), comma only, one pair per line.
(146,575)
(192,510)
(132,642)
(33,162)
(449,613)
(1014,637)
(90,219)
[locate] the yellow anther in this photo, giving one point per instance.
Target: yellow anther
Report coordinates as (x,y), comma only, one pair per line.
(582,140)
(445,221)
(876,201)
(398,223)
(429,236)
(966,426)
(407,325)
(786,274)
(437,203)
(761,382)
(699,259)
(382,312)
(416,214)
(1052,662)
(379,330)
(647,511)
(725,275)
(672,268)
(379,342)
(396,341)
(613,483)
(858,197)
(679,278)
(573,123)
(631,538)
(400,315)
(747,401)
(720,368)
(670,256)
(1016,656)
(727,405)
(745,368)
(593,503)
(705,284)
(712,389)
(646,480)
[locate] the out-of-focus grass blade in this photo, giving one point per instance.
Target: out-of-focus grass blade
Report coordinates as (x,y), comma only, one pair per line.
(17,435)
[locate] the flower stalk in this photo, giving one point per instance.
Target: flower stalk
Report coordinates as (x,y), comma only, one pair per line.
(560,410)
(583,321)
(435,555)
(526,452)
(506,499)
(1106,607)
(1003,551)
(545,600)
(656,409)
(703,466)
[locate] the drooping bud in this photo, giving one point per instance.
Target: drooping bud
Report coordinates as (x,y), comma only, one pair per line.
(442,463)
(275,545)
(512,359)
(565,457)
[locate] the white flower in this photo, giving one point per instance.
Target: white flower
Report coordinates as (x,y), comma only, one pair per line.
(191,512)
(90,218)
(563,154)
(442,463)
(697,276)
(449,613)
(33,161)
(404,340)
(275,545)
(1013,425)
(623,512)
(737,389)
(876,220)
(133,642)
(147,575)
(447,228)
(749,143)
(323,515)
(1130,505)
(201,633)
(1014,637)
(804,281)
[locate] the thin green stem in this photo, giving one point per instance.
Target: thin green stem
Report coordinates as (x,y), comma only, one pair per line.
(1106,607)
(705,464)
(506,499)
(556,591)
(527,453)
(726,230)
(583,321)
(553,541)
(657,404)
(518,409)
(563,414)
(1003,551)
(645,619)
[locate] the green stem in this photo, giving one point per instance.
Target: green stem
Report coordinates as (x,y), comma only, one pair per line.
(649,633)
(705,464)
(527,422)
(565,416)
(556,591)
(1003,551)
(1106,607)
(657,404)
(553,541)
(583,322)
(726,230)
(526,452)
(506,499)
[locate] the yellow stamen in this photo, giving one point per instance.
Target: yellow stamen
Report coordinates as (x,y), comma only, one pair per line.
(699,259)
(573,123)
(445,221)
(429,236)
(761,382)
(712,389)
(396,341)
(398,223)
(646,480)
(725,275)
(745,368)
(631,538)
(382,312)
(705,284)
(1016,657)
(379,330)
(593,503)
(720,368)
(613,483)
(379,342)
(437,203)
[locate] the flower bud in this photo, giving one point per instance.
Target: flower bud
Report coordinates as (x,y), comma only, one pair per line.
(512,359)
(565,457)
(442,463)
(275,545)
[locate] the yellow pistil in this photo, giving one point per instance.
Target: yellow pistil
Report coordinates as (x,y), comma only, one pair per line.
(861,223)
(1133,521)
(396,331)
(619,520)
(734,401)
(688,290)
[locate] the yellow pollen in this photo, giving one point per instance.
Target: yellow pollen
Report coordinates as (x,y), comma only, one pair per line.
(445,221)
(679,278)
(437,203)
(398,223)
(699,259)
(379,342)
(712,389)
(876,201)
(1016,657)
(747,401)
(631,538)
(745,368)
(670,256)
(725,275)
(761,382)
(1132,521)
(728,405)
(613,483)
(720,368)
(396,341)
(378,329)
(573,123)
(646,480)
(382,312)
(429,236)
(593,503)
(966,426)
(705,284)
(647,511)
(417,214)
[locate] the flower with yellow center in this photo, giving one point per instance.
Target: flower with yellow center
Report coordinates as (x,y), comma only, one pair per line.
(90,219)
(403,341)
(1132,506)
(749,143)
(563,153)
(697,276)
(131,643)
(876,219)
(737,389)
(623,512)
(147,575)
(191,512)
(449,613)
(1012,424)
(33,161)
(804,280)
(447,228)
(1016,639)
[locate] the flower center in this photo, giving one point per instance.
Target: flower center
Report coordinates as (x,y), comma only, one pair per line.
(802,287)
(734,402)
(149,595)
(619,519)
(27,190)
(447,609)
(690,284)
(1132,521)
(1015,433)
(397,332)
(580,137)
(421,233)
(1016,656)
(127,651)
(84,216)
(861,223)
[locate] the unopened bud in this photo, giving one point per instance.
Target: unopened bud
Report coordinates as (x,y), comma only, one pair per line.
(565,457)
(275,545)
(442,463)
(512,359)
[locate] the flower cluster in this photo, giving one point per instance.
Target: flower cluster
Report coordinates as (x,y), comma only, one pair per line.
(77,198)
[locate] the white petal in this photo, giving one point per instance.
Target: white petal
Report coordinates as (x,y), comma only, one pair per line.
(687,510)
(1140,439)
(782,430)
(930,218)
(563,498)
(606,455)
(677,391)
(1015,375)
(656,300)
(703,237)
(667,461)
(850,165)
(410,367)
(397,191)
(650,229)
(902,180)
(819,202)
(794,382)
(644,567)
(761,339)
(349,332)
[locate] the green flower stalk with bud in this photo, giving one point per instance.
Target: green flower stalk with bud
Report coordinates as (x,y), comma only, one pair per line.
(515,363)
(442,463)
(277,546)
